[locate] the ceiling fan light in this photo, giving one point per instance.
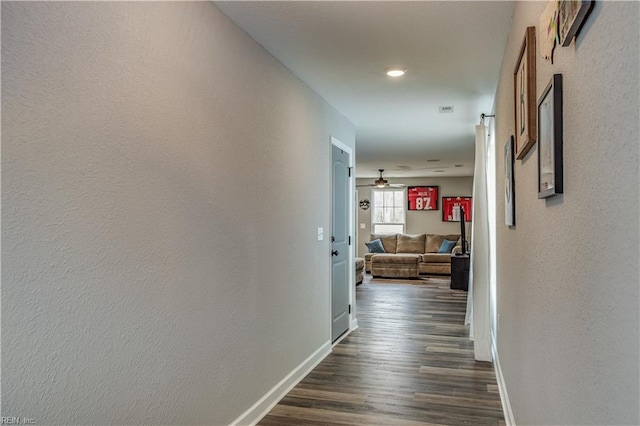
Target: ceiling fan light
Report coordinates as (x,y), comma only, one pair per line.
(395,71)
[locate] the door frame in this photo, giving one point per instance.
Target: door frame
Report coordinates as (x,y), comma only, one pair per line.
(353,321)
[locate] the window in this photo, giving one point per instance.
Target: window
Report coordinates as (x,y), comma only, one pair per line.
(388,211)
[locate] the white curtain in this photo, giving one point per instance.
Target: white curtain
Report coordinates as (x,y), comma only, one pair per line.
(478,299)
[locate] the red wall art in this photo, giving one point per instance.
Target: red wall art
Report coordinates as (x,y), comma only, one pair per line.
(423,197)
(451,208)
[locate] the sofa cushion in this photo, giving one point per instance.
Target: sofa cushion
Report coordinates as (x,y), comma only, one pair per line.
(411,259)
(436,258)
(389,241)
(446,246)
(375,246)
(434,241)
(410,243)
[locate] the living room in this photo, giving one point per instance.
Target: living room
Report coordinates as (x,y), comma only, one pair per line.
(416,221)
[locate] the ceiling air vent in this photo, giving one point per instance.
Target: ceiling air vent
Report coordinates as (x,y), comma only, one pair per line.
(445,109)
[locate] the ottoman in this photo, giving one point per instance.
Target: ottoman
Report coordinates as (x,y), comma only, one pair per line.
(395,265)
(359,270)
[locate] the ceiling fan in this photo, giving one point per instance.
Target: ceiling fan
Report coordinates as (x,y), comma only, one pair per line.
(383,183)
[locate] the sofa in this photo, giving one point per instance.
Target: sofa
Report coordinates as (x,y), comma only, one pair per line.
(409,256)
(359,264)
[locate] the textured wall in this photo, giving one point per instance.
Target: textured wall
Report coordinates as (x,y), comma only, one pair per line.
(162,181)
(418,222)
(567,274)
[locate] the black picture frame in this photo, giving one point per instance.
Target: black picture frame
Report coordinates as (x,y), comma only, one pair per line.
(509,183)
(571,16)
(550,180)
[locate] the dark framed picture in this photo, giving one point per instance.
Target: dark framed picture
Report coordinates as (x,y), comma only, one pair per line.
(571,17)
(509,185)
(550,139)
(423,197)
(524,79)
(451,208)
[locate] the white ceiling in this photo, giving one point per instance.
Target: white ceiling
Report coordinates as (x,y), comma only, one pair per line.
(453,52)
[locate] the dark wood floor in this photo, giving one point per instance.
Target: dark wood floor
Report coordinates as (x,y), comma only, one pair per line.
(409,363)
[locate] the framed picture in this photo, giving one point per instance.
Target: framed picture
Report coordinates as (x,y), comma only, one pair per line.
(550,139)
(571,16)
(451,208)
(423,197)
(524,79)
(509,185)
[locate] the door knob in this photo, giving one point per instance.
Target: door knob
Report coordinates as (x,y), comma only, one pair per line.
(334,252)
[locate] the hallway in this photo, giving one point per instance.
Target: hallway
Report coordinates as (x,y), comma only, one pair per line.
(409,363)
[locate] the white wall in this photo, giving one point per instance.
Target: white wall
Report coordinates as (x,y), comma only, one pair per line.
(160,263)
(418,222)
(567,274)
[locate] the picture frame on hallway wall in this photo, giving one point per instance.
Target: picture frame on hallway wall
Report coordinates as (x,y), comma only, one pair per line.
(550,139)
(423,198)
(509,184)
(524,95)
(451,208)
(571,16)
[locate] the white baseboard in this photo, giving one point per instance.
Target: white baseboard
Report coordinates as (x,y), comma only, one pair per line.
(352,328)
(502,387)
(262,407)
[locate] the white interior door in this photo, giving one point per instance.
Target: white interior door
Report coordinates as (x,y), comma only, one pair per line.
(340,264)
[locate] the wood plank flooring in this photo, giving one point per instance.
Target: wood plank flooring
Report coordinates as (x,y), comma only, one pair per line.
(410,362)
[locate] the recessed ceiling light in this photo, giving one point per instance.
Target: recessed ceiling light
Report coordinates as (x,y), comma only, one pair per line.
(395,71)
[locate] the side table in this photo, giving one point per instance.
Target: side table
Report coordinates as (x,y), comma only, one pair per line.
(460,272)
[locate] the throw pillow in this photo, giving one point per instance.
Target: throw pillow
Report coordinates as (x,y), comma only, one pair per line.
(375,246)
(447,246)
